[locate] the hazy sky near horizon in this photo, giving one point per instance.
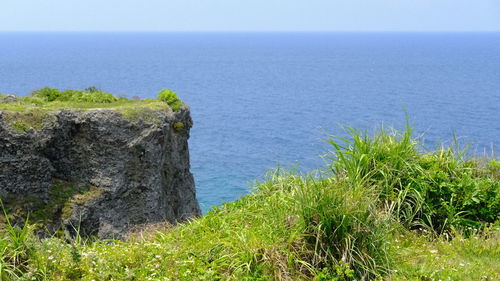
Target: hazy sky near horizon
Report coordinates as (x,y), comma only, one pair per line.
(250,15)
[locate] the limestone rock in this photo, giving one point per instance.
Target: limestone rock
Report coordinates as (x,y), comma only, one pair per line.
(98,172)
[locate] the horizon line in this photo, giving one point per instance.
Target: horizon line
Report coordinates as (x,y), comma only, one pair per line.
(249,31)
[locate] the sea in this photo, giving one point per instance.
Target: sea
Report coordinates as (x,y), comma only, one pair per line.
(262,101)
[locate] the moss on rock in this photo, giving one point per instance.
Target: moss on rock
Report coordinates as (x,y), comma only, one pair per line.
(34,119)
(178,126)
(42,212)
(81,198)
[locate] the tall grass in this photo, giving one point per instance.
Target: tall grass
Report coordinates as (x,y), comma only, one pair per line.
(345,228)
(442,191)
(15,247)
(348,223)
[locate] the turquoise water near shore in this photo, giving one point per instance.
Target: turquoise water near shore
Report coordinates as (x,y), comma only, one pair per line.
(262,100)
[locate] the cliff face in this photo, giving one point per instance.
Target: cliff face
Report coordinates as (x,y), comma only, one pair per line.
(98,172)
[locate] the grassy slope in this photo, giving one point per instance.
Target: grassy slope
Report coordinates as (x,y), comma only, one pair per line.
(260,237)
(338,224)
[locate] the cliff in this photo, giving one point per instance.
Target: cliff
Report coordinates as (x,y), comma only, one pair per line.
(99,171)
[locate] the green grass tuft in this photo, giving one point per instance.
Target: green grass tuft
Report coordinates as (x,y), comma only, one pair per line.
(442,190)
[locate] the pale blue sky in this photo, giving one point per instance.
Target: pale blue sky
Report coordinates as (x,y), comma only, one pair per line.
(250,15)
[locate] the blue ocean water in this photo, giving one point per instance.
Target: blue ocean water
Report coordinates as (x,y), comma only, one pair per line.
(262,100)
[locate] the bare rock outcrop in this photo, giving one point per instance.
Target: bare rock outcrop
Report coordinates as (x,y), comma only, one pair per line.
(97,172)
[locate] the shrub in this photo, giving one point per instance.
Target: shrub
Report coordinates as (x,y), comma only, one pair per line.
(170,98)
(34,100)
(91,95)
(94,97)
(68,95)
(48,94)
(91,89)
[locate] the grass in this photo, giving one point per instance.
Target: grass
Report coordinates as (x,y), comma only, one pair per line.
(441,191)
(382,209)
(44,215)
(426,258)
(34,111)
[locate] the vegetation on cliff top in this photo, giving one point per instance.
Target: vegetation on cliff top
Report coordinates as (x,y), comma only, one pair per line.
(381,209)
(33,111)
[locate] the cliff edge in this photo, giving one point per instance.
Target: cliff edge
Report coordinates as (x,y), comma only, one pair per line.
(99,171)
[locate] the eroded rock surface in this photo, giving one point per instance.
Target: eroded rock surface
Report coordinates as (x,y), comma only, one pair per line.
(98,172)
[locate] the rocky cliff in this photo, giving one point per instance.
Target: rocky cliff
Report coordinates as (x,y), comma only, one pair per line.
(98,172)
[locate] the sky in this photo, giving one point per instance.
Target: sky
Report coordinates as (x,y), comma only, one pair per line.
(250,15)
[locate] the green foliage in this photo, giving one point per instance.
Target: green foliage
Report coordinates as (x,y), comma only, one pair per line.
(339,272)
(34,112)
(16,246)
(377,212)
(170,98)
(136,114)
(22,122)
(48,94)
(59,195)
(442,191)
(92,89)
(20,126)
(344,227)
(420,257)
(91,95)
